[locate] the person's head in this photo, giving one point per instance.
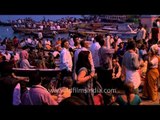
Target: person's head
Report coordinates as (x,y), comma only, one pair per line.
(67,82)
(24,54)
(143,46)
(6,68)
(140,26)
(98,38)
(65,44)
(75,38)
(102,42)
(34,79)
(155,24)
(83,60)
(131,45)
(77,43)
(121,45)
(84,43)
(154,49)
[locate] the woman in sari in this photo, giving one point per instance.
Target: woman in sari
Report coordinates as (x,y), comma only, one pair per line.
(150,89)
(84,82)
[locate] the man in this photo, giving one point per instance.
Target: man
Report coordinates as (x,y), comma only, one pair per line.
(94,50)
(130,65)
(65,59)
(141,34)
(37,94)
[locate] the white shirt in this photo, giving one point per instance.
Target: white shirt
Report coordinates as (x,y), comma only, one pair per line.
(94,50)
(141,34)
(134,77)
(65,60)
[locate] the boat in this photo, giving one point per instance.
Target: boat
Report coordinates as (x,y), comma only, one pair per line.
(25,30)
(46,34)
(5,23)
(110,28)
(123,29)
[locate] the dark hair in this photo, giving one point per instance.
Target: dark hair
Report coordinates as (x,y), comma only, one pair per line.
(6,68)
(82,43)
(3,58)
(101,42)
(142,46)
(67,82)
(63,42)
(83,61)
(34,78)
(155,24)
(131,45)
(76,43)
(98,38)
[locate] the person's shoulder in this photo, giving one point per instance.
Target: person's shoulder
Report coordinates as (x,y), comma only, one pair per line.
(137,96)
(62,51)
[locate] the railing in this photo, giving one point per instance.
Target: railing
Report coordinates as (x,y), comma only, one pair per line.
(42,72)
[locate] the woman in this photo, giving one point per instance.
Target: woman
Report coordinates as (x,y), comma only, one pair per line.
(151,83)
(116,74)
(24,63)
(84,82)
(129,98)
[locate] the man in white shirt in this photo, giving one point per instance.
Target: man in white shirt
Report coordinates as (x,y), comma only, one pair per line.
(65,60)
(141,33)
(94,50)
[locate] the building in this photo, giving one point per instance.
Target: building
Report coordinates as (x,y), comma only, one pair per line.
(148,20)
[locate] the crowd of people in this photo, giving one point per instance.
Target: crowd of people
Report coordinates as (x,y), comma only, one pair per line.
(107,62)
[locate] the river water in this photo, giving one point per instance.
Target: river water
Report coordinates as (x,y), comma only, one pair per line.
(6,31)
